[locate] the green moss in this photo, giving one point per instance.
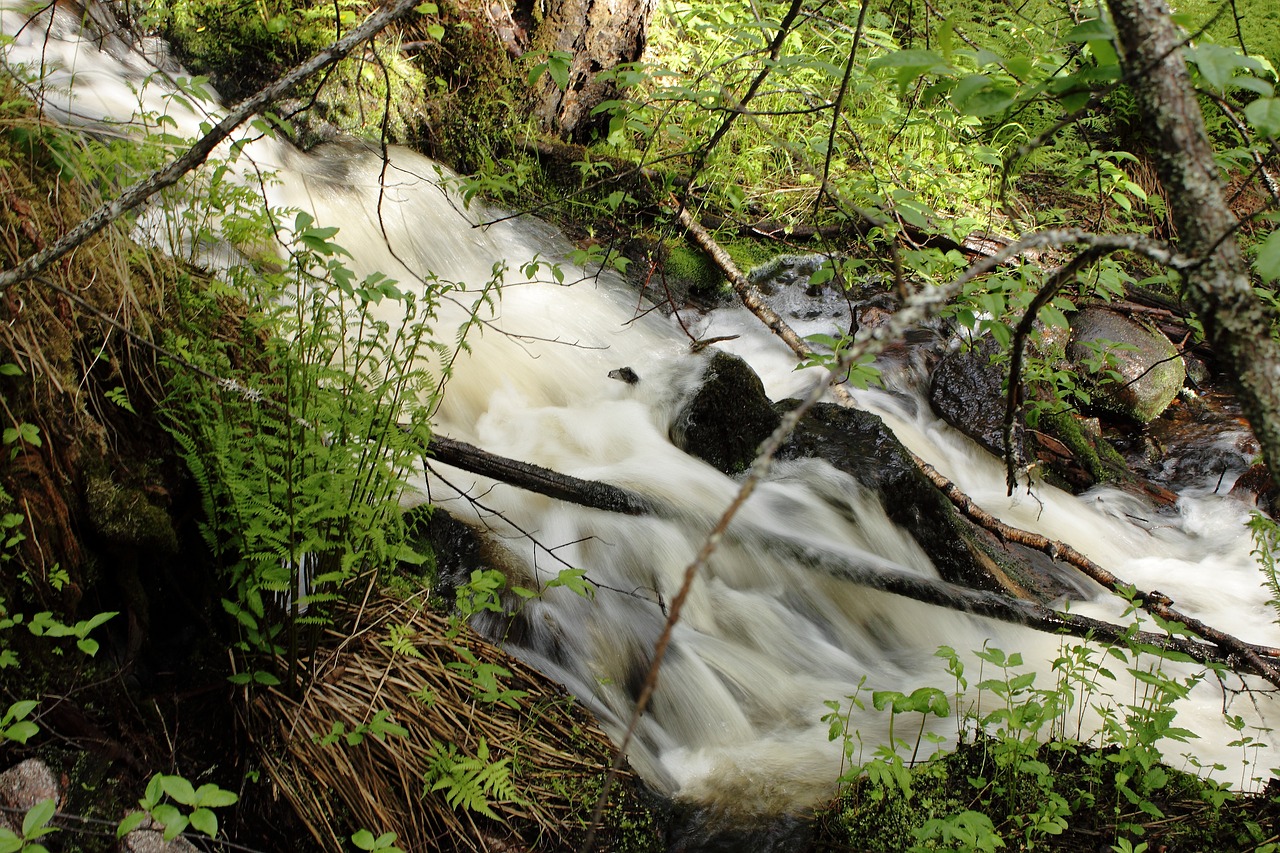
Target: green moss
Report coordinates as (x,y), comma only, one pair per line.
(242,46)
(692,270)
(1103,462)
(126,516)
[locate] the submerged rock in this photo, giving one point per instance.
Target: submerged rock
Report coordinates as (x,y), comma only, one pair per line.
(1150,370)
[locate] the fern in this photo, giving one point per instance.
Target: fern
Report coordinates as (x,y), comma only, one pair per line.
(1266,540)
(301,462)
(473,784)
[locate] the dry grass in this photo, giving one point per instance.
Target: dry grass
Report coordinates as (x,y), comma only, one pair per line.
(557,752)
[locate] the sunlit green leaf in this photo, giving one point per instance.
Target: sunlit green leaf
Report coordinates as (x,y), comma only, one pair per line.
(1267,264)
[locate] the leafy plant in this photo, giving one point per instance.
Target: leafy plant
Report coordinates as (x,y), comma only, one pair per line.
(35,825)
(198,802)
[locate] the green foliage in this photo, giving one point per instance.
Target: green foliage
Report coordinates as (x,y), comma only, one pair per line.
(379,727)
(301,458)
(35,825)
(165,795)
(15,726)
(364,840)
(1020,774)
(1266,545)
(471,783)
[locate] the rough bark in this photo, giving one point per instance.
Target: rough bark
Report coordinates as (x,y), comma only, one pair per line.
(601,35)
(1218,289)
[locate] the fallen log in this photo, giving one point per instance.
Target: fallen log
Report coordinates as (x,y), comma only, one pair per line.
(534,478)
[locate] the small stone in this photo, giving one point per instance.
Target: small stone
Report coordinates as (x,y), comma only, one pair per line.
(21,787)
(625,374)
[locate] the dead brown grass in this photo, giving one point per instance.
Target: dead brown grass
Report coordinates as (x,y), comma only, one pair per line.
(558,753)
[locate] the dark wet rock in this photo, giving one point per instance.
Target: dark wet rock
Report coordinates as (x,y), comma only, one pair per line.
(859,444)
(785,271)
(967,391)
(452,549)
(727,418)
(1203,440)
(625,374)
(1150,369)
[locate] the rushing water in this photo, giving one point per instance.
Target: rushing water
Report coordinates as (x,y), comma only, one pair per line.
(765,639)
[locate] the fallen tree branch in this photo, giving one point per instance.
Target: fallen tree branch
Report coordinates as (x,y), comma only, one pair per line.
(1152,601)
(168,175)
(534,478)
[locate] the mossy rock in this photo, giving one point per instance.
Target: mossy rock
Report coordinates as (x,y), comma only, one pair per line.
(1142,373)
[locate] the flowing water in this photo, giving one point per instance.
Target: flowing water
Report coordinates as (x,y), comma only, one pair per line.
(736,723)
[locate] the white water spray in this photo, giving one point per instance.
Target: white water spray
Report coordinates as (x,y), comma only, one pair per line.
(766,638)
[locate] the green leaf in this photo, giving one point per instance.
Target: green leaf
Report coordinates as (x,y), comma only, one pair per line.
(910,65)
(20,710)
(213,797)
(10,369)
(363,839)
(155,790)
(172,819)
(178,788)
(1264,115)
(131,821)
(1267,264)
(21,732)
(34,824)
(203,820)
(1218,64)
(1091,30)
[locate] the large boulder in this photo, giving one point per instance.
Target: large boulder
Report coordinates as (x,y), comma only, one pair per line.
(724,422)
(1148,371)
(726,419)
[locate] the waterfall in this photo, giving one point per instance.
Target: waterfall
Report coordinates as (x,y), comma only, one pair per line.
(766,637)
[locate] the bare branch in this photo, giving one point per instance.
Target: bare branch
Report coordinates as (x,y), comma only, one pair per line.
(169,175)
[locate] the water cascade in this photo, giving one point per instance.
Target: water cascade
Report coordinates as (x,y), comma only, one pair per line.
(768,635)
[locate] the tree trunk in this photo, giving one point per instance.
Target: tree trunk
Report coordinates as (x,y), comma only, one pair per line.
(601,35)
(1236,323)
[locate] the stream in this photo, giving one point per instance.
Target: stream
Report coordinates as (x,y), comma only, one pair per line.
(767,636)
